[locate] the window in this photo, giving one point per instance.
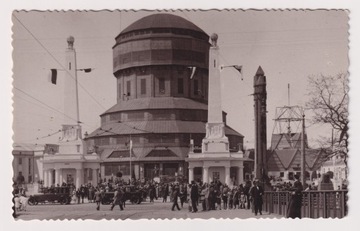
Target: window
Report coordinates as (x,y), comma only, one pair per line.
(161,85)
(135,116)
(102,141)
(119,90)
(161,138)
(180,86)
(143,86)
(29,166)
(128,88)
(20,160)
(196,87)
(216,175)
(281,174)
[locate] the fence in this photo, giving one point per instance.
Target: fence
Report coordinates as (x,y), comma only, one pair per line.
(315,204)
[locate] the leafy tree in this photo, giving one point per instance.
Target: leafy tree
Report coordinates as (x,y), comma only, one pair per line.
(329,100)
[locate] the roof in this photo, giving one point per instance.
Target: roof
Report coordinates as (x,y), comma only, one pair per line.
(287,159)
(154,126)
(110,154)
(27,147)
(157,103)
(161,21)
(286,141)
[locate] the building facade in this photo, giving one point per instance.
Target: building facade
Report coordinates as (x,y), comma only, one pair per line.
(160,63)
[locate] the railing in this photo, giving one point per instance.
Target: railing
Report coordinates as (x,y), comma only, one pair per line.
(315,204)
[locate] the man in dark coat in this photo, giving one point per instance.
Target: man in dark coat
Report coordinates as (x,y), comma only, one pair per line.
(194,194)
(256,194)
(118,196)
(294,208)
(175,198)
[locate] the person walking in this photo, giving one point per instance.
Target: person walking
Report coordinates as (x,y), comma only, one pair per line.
(165,192)
(98,197)
(294,209)
(225,191)
(175,197)
(117,200)
(182,195)
(256,193)
(194,196)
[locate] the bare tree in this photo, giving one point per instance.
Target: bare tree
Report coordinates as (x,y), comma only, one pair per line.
(329,100)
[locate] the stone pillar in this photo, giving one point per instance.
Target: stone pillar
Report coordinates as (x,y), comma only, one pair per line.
(137,171)
(240,174)
(102,171)
(57,176)
(50,177)
(46,178)
(61,180)
(191,174)
(205,174)
(94,177)
(286,175)
(227,175)
(78,177)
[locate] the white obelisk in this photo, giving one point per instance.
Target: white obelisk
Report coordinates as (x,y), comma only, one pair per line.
(215,141)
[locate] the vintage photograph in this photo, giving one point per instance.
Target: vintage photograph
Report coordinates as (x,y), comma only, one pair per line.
(147,114)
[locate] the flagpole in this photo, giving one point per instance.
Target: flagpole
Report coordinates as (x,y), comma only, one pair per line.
(130,158)
(77,98)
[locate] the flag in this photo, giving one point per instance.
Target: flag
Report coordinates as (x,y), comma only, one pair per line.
(87,70)
(53,76)
(239,69)
(193,69)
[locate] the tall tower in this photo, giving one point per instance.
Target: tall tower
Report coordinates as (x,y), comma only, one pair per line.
(215,140)
(216,160)
(260,123)
(71,129)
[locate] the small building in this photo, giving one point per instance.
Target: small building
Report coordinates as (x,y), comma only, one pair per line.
(284,157)
(27,167)
(337,168)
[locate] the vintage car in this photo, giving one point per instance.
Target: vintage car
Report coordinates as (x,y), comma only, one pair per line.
(133,194)
(60,195)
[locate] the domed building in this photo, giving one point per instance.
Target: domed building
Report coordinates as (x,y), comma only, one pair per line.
(161,100)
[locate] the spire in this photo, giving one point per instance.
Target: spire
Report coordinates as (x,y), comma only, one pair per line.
(260,71)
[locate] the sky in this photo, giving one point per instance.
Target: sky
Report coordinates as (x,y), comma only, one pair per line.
(288,45)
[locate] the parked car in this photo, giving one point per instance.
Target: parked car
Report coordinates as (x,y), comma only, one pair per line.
(60,195)
(134,194)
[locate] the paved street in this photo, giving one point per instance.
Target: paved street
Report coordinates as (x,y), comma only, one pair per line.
(144,210)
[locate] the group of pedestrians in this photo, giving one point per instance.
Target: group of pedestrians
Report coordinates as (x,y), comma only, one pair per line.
(216,196)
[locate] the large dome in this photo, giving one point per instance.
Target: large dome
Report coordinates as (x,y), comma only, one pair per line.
(161,21)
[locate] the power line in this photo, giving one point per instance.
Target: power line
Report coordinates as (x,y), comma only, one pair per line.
(54,109)
(57,61)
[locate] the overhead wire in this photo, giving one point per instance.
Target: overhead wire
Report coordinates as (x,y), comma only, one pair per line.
(58,62)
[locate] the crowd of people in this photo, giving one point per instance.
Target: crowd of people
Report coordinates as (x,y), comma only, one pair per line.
(206,196)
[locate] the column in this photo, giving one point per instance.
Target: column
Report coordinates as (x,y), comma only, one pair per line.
(102,171)
(78,178)
(227,175)
(286,175)
(61,180)
(50,177)
(205,174)
(94,177)
(240,174)
(46,178)
(191,174)
(57,177)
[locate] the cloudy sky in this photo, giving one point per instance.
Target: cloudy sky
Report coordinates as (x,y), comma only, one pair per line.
(288,45)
